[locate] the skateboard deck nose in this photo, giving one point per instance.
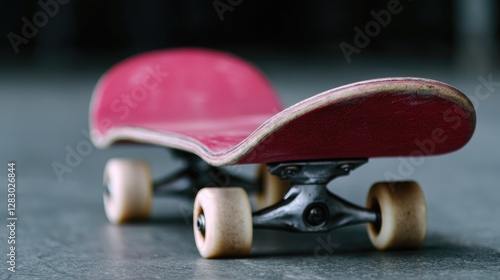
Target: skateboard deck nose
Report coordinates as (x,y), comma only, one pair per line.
(378,118)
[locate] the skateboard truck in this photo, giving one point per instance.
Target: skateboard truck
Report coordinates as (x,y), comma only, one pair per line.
(309,206)
(194,175)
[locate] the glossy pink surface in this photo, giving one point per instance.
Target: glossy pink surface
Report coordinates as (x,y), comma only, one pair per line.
(214,98)
(224,110)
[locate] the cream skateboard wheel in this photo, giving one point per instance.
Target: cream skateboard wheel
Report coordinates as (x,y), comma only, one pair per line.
(222,221)
(273,188)
(403,215)
(129,190)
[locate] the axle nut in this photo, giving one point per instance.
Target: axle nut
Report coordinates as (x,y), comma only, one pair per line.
(316,215)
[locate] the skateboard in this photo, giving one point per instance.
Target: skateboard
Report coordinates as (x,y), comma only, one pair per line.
(212,109)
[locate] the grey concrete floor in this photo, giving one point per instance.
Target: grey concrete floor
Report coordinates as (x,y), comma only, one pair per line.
(62,232)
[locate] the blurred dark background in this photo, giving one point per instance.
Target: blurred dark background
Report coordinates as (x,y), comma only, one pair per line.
(449,30)
(52,53)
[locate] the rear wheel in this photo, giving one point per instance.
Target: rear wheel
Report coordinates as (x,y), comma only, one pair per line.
(128,191)
(273,189)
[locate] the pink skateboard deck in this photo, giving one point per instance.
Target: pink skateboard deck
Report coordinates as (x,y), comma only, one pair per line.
(225,111)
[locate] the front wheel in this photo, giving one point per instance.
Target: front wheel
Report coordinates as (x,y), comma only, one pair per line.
(403,215)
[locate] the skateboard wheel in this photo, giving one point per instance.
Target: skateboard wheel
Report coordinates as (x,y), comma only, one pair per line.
(222,221)
(403,215)
(273,188)
(128,191)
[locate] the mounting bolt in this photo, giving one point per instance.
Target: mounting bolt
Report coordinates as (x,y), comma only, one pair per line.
(200,223)
(316,215)
(345,167)
(289,171)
